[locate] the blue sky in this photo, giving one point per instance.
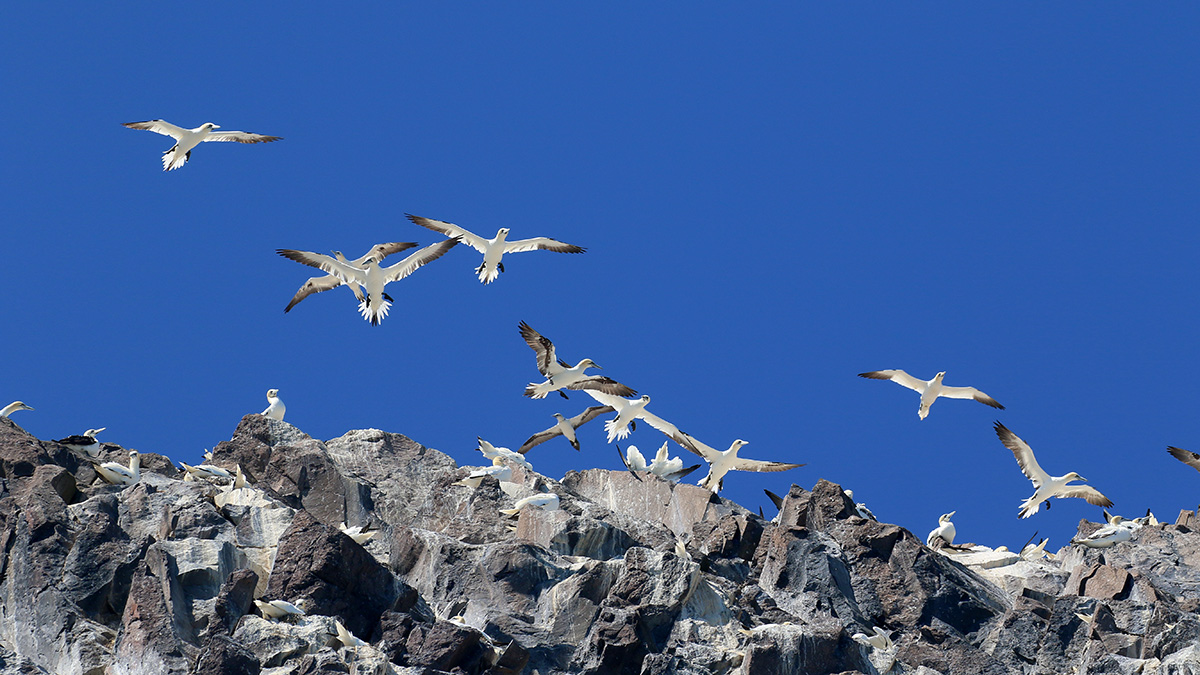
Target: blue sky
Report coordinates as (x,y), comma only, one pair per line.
(773,199)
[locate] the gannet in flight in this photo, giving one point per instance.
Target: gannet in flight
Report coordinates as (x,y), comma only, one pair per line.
(118,474)
(278,609)
(371,276)
(628,411)
(944,532)
(86,443)
(560,375)
(1047,486)
(721,463)
(496,454)
(186,139)
(494,249)
(547,501)
(565,428)
(1117,530)
(276,409)
(1185,456)
(13,407)
(663,466)
(931,390)
(330,281)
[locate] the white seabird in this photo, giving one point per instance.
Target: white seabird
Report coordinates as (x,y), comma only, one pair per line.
(13,407)
(1185,456)
(496,454)
(879,638)
(86,443)
(348,640)
(560,375)
(278,609)
(721,463)
(498,471)
(633,459)
(861,508)
(186,139)
(1032,552)
(118,474)
(628,412)
(206,472)
(371,277)
(1047,486)
(331,281)
(495,248)
(547,501)
(671,469)
(565,428)
(276,409)
(931,390)
(944,532)
(1117,530)
(358,533)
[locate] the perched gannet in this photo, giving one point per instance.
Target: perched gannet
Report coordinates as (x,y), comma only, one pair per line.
(1117,530)
(944,532)
(118,474)
(347,639)
(358,533)
(547,501)
(565,428)
(720,463)
(628,412)
(931,390)
(496,454)
(1185,456)
(278,609)
(13,407)
(1031,552)
(206,472)
(494,249)
(1047,486)
(879,639)
(186,139)
(276,409)
(672,470)
(500,472)
(861,508)
(208,456)
(330,281)
(560,375)
(371,276)
(239,478)
(86,443)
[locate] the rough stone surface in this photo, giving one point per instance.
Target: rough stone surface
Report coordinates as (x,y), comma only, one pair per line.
(628,576)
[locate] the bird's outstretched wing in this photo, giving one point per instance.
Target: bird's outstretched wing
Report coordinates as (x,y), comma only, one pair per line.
(422,257)
(240,137)
(341,270)
(898,376)
(451,230)
(1185,456)
(544,243)
(380,251)
(313,285)
(970,392)
(1085,492)
(760,465)
(547,362)
(159,127)
(603,384)
(1024,454)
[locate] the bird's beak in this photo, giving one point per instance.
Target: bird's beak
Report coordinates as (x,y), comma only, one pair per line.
(951,514)
(597,365)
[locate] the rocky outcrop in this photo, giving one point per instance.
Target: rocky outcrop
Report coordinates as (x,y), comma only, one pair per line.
(627,576)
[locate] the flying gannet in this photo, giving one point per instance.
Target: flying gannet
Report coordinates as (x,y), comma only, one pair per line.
(276,409)
(494,249)
(118,474)
(565,428)
(1185,456)
(371,277)
(186,139)
(1117,530)
(278,609)
(86,443)
(671,470)
(1047,486)
(496,454)
(944,532)
(721,463)
(628,412)
(13,407)
(560,375)
(547,501)
(931,390)
(330,281)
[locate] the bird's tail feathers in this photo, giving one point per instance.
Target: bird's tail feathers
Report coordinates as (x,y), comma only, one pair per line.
(173,159)
(534,390)
(615,433)
(374,314)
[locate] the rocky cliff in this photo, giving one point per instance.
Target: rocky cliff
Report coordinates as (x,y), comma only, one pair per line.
(628,576)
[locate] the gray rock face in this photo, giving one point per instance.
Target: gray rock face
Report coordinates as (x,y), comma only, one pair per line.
(641,577)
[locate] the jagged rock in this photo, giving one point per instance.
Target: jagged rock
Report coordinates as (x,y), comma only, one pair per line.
(443,645)
(233,601)
(223,656)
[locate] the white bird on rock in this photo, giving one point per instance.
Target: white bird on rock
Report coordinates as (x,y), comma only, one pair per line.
(721,463)
(206,472)
(276,408)
(931,390)
(86,443)
(496,454)
(1047,486)
(861,508)
(331,281)
(278,609)
(1117,530)
(348,640)
(500,472)
(944,532)
(565,427)
(559,375)
(494,249)
(13,407)
(371,277)
(358,533)
(118,474)
(547,501)
(186,139)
